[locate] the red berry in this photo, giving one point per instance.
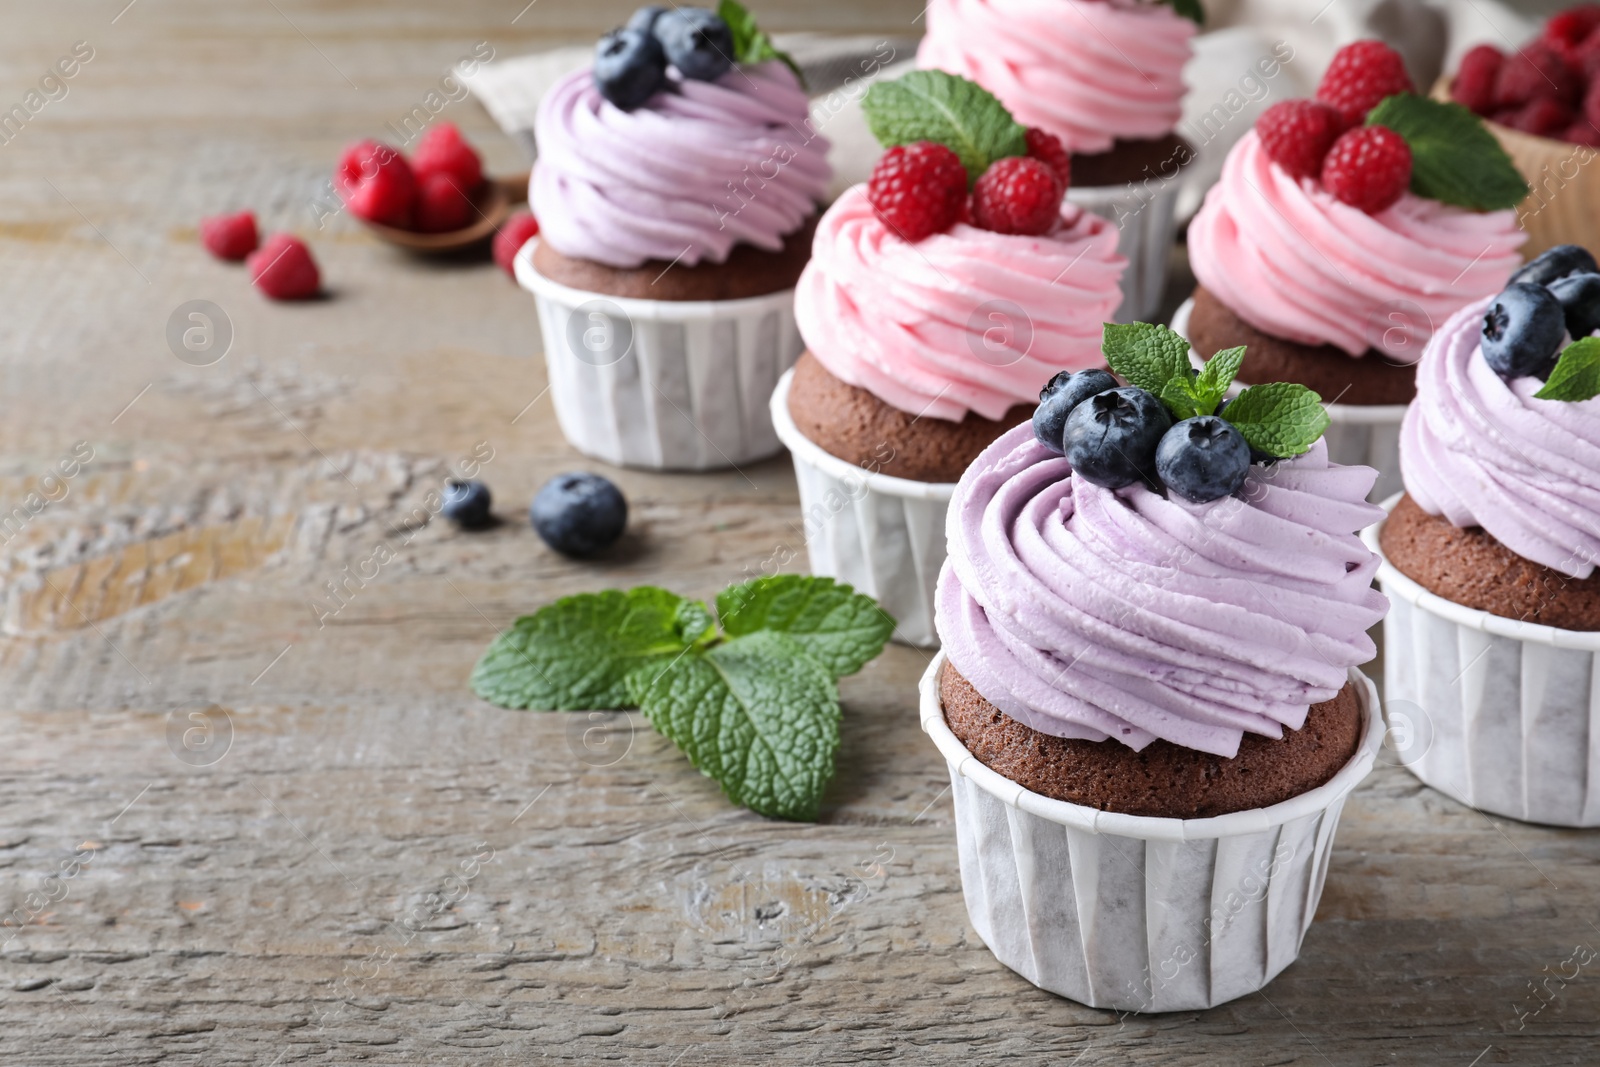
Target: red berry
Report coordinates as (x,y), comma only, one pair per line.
(1585,59)
(1535,71)
(442,151)
(1368,168)
(1297,134)
(918,189)
(1475,80)
(376,183)
(1361,75)
(1048,149)
(283,268)
(442,205)
(1542,117)
(229,236)
(518,231)
(1583,132)
(1570,28)
(1017,195)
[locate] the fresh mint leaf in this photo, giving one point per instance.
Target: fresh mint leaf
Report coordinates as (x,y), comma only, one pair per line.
(1147,356)
(1190,9)
(750,44)
(1179,397)
(757,714)
(1577,373)
(577,653)
(1216,376)
(930,105)
(838,627)
(1454,157)
(1282,419)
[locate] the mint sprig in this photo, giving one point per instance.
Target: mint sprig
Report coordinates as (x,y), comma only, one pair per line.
(931,105)
(750,43)
(750,696)
(1282,419)
(1576,376)
(1454,157)
(1147,356)
(1189,9)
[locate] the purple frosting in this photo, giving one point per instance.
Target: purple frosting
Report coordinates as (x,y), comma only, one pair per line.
(1090,613)
(697,170)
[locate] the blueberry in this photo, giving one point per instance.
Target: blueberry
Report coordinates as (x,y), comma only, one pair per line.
(697,42)
(1056,401)
(645,18)
(1580,302)
(1558,262)
(1111,438)
(1522,331)
(1203,458)
(579,514)
(629,67)
(466,504)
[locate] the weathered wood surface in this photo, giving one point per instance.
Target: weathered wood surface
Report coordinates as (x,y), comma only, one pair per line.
(382,869)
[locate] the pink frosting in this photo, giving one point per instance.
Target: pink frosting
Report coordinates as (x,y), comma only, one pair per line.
(1294,262)
(967,320)
(1088,71)
(696,171)
(1482,451)
(1090,613)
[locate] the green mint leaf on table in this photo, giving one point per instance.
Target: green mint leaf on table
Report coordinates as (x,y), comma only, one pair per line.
(930,105)
(750,43)
(757,714)
(1189,9)
(1147,356)
(1282,419)
(577,653)
(1577,373)
(839,628)
(1454,157)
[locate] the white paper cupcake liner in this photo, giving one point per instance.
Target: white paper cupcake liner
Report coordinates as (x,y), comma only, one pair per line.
(1365,435)
(883,535)
(1148,224)
(663,384)
(1136,913)
(1499,714)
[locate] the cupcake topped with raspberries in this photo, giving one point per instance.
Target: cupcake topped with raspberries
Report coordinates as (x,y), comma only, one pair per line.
(1346,228)
(1155,595)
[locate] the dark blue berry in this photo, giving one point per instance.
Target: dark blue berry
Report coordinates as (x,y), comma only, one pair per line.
(466,504)
(1111,438)
(1522,331)
(1056,401)
(629,68)
(579,514)
(1579,295)
(1203,458)
(1558,262)
(645,18)
(697,42)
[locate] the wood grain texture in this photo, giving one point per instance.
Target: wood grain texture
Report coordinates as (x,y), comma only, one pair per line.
(359,862)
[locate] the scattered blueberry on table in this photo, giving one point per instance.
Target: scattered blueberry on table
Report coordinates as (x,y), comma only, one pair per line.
(466,503)
(579,514)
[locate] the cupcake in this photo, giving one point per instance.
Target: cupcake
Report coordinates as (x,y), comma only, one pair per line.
(1493,647)
(1148,694)
(678,183)
(1332,249)
(1104,78)
(931,317)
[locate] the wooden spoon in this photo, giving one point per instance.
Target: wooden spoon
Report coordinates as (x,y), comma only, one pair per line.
(492,203)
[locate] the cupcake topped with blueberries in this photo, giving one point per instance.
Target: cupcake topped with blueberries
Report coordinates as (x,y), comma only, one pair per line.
(682,165)
(1154,595)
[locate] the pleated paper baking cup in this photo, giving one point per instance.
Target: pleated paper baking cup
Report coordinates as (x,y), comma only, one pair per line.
(1499,714)
(663,384)
(883,535)
(1358,435)
(1147,220)
(1135,913)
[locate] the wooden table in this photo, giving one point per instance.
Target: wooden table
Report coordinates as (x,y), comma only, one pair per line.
(367,864)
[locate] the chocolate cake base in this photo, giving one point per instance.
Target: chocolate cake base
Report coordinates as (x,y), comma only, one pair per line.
(1471,568)
(853,424)
(1333,373)
(1164,780)
(748,271)
(1133,161)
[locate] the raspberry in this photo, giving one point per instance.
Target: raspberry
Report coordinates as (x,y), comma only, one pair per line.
(518,231)
(1368,168)
(442,205)
(283,268)
(1570,28)
(1585,59)
(376,183)
(442,151)
(1017,195)
(1542,117)
(1048,149)
(1297,134)
(918,189)
(1474,84)
(1583,132)
(229,236)
(1360,75)
(1590,112)
(1535,71)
